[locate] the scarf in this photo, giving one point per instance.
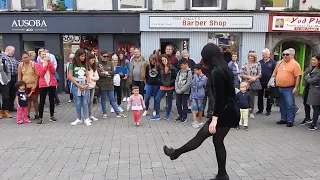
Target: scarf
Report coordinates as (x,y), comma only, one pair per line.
(47,75)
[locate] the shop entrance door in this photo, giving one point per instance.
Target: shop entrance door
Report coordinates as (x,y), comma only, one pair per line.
(178,44)
(303,56)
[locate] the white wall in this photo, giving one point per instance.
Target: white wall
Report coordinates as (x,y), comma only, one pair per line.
(16,5)
(309,3)
(94,5)
(241,5)
(173,5)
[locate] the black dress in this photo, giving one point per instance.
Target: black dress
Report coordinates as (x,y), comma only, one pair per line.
(226,104)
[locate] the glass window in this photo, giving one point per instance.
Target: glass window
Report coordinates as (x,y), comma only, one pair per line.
(67,3)
(275,3)
(228,42)
(3,4)
(133,4)
(205,3)
(29,4)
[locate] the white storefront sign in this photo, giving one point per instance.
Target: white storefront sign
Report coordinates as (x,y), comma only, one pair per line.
(295,23)
(243,22)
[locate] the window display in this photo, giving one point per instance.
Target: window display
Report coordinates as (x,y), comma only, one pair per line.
(228,42)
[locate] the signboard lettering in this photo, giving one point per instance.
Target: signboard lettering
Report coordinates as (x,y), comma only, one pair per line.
(29,23)
(295,23)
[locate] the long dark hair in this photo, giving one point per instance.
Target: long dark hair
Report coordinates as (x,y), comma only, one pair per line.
(153,58)
(213,58)
(121,62)
(94,65)
(76,59)
(165,56)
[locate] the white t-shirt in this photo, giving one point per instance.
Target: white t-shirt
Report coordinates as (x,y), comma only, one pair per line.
(116,79)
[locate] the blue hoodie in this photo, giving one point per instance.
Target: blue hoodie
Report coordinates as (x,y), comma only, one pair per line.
(198,85)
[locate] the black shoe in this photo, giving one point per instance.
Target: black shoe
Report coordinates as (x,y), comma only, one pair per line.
(259,112)
(306,121)
(312,127)
(289,124)
(183,120)
(53,119)
(29,116)
(268,113)
(281,122)
(189,111)
(36,117)
(94,101)
(170,152)
(178,119)
(224,177)
(40,121)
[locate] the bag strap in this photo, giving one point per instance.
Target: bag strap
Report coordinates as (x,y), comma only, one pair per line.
(277,66)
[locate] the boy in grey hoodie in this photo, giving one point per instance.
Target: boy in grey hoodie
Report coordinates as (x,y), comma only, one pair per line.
(182,87)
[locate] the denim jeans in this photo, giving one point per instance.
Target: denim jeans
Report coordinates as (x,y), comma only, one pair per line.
(151,89)
(110,94)
(287,104)
(90,100)
(316,112)
(182,105)
(158,98)
(81,102)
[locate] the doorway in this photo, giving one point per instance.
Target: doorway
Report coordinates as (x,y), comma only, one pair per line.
(33,46)
(178,45)
(303,56)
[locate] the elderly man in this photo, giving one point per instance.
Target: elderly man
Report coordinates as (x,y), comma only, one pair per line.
(287,77)
(138,73)
(267,68)
(12,65)
(172,58)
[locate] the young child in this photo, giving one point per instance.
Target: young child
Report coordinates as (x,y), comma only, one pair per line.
(244,100)
(182,87)
(199,82)
(22,103)
(136,104)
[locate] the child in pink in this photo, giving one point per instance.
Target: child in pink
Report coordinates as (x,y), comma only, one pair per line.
(22,103)
(136,104)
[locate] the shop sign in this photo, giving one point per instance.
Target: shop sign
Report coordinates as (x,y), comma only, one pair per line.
(295,23)
(243,22)
(29,25)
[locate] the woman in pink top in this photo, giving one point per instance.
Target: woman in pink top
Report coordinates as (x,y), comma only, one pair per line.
(47,84)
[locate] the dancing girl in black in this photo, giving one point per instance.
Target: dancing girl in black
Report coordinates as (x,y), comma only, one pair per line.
(225,115)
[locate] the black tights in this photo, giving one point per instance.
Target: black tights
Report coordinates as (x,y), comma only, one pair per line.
(218,143)
(51,90)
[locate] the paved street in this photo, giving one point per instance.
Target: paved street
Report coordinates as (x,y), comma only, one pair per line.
(114,149)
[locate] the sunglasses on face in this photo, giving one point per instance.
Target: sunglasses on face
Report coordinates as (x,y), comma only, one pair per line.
(285,54)
(105,56)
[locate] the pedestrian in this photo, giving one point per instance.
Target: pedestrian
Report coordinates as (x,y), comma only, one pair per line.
(244,100)
(313,79)
(305,94)
(79,76)
(152,81)
(27,73)
(68,82)
(105,84)
(182,88)
(225,115)
(209,92)
(234,66)
(93,78)
(168,76)
(117,82)
(198,86)
(47,84)
(125,87)
(22,103)
(137,70)
(136,104)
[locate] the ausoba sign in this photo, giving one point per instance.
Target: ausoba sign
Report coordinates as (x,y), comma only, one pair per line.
(200,22)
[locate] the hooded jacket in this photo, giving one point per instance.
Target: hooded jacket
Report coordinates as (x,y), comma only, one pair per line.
(198,86)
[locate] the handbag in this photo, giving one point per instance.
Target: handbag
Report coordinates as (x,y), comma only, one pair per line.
(256,85)
(67,89)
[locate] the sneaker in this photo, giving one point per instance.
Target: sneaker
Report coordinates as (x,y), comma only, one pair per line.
(167,117)
(145,113)
(120,109)
(87,122)
(306,121)
(238,127)
(20,122)
(40,121)
(289,124)
(195,124)
(178,119)
(124,99)
(138,123)
(76,122)
(155,118)
(36,117)
(27,121)
(135,124)
(183,120)
(70,101)
(282,122)
(251,116)
(297,110)
(312,127)
(200,123)
(268,113)
(121,116)
(93,118)
(53,119)
(246,128)
(128,99)
(259,112)
(104,116)
(112,110)
(154,113)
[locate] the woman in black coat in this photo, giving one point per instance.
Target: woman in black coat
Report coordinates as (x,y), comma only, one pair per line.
(226,113)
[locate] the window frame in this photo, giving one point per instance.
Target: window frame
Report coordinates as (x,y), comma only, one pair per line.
(206,8)
(29,8)
(132,9)
(5,9)
(289,4)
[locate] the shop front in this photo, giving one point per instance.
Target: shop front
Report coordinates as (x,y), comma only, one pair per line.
(64,33)
(233,32)
(298,31)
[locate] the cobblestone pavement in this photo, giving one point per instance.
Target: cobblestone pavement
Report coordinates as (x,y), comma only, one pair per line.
(114,149)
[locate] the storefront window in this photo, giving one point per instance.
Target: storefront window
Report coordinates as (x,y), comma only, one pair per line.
(28,4)
(73,42)
(125,41)
(228,42)
(133,4)
(178,45)
(50,4)
(275,4)
(205,4)
(3,4)
(67,3)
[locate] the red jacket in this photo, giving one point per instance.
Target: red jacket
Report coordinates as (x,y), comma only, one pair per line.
(41,71)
